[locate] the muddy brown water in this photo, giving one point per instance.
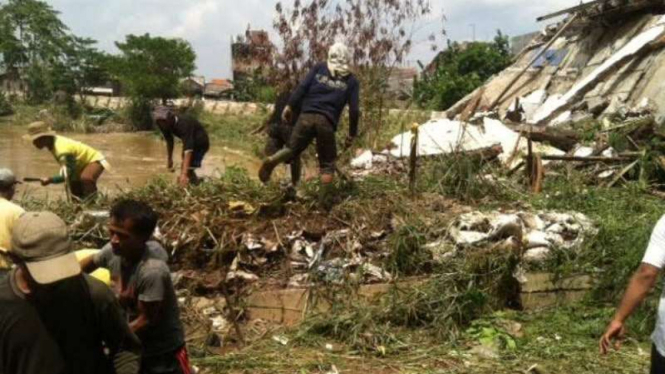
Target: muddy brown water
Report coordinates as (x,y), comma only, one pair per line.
(135,159)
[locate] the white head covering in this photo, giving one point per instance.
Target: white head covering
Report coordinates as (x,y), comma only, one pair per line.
(338,60)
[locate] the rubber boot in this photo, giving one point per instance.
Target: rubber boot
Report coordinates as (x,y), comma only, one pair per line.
(271,162)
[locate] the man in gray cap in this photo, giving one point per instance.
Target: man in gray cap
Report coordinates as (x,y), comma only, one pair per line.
(80,312)
(9,213)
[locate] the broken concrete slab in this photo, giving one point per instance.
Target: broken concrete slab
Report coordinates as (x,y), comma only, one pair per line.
(597,105)
(446,136)
(637,45)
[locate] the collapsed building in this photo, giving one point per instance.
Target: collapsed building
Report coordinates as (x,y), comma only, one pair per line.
(607,54)
(599,71)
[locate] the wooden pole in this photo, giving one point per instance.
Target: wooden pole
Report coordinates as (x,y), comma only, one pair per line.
(588,159)
(576,8)
(529,159)
(413,158)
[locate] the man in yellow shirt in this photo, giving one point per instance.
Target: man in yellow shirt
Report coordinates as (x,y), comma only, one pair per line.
(9,214)
(81,164)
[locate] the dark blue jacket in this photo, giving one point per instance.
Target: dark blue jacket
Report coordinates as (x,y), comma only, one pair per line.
(320,93)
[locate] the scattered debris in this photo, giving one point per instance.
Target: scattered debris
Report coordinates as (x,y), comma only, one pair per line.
(281,339)
(536,234)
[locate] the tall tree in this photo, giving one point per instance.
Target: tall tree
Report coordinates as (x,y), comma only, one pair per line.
(34,33)
(37,47)
(459,70)
(151,67)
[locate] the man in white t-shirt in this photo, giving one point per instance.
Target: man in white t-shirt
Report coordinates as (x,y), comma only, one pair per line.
(639,287)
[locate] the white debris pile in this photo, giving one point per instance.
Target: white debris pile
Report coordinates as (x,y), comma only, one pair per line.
(536,233)
(445,136)
(368,162)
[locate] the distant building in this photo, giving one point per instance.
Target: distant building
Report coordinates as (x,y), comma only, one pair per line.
(251,53)
(110,88)
(193,86)
(518,43)
(400,82)
(218,88)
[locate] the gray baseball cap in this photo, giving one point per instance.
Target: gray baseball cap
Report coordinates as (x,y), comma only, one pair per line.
(7,178)
(41,241)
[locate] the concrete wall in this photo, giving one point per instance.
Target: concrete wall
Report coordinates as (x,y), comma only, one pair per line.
(290,306)
(223,106)
(212,106)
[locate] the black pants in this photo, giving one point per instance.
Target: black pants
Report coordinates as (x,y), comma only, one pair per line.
(657,362)
(312,126)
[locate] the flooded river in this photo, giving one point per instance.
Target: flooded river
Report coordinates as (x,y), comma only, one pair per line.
(135,158)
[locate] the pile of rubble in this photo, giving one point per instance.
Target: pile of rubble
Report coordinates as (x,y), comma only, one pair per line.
(580,92)
(534,235)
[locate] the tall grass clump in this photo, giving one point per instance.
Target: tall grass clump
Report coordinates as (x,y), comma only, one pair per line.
(465,177)
(408,255)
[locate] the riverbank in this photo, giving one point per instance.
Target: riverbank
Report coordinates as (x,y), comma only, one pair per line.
(135,157)
(236,235)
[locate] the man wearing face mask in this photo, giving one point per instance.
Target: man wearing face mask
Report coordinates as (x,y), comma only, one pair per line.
(321,97)
(79,312)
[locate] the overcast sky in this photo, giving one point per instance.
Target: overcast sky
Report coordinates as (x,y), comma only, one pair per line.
(209,24)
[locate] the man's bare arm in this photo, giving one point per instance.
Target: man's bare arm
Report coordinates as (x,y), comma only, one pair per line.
(639,287)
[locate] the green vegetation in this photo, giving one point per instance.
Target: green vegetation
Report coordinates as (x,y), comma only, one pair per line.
(255,89)
(151,68)
(37,49)
(459,70)
(557,341)
(235,131)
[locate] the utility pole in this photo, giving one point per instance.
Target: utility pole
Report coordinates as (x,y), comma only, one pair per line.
(473,31)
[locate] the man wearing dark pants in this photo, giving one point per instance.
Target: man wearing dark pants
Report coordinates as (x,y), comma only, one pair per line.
(640,285)
(142,281)
(322,96)
(280,131)
(195,142)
